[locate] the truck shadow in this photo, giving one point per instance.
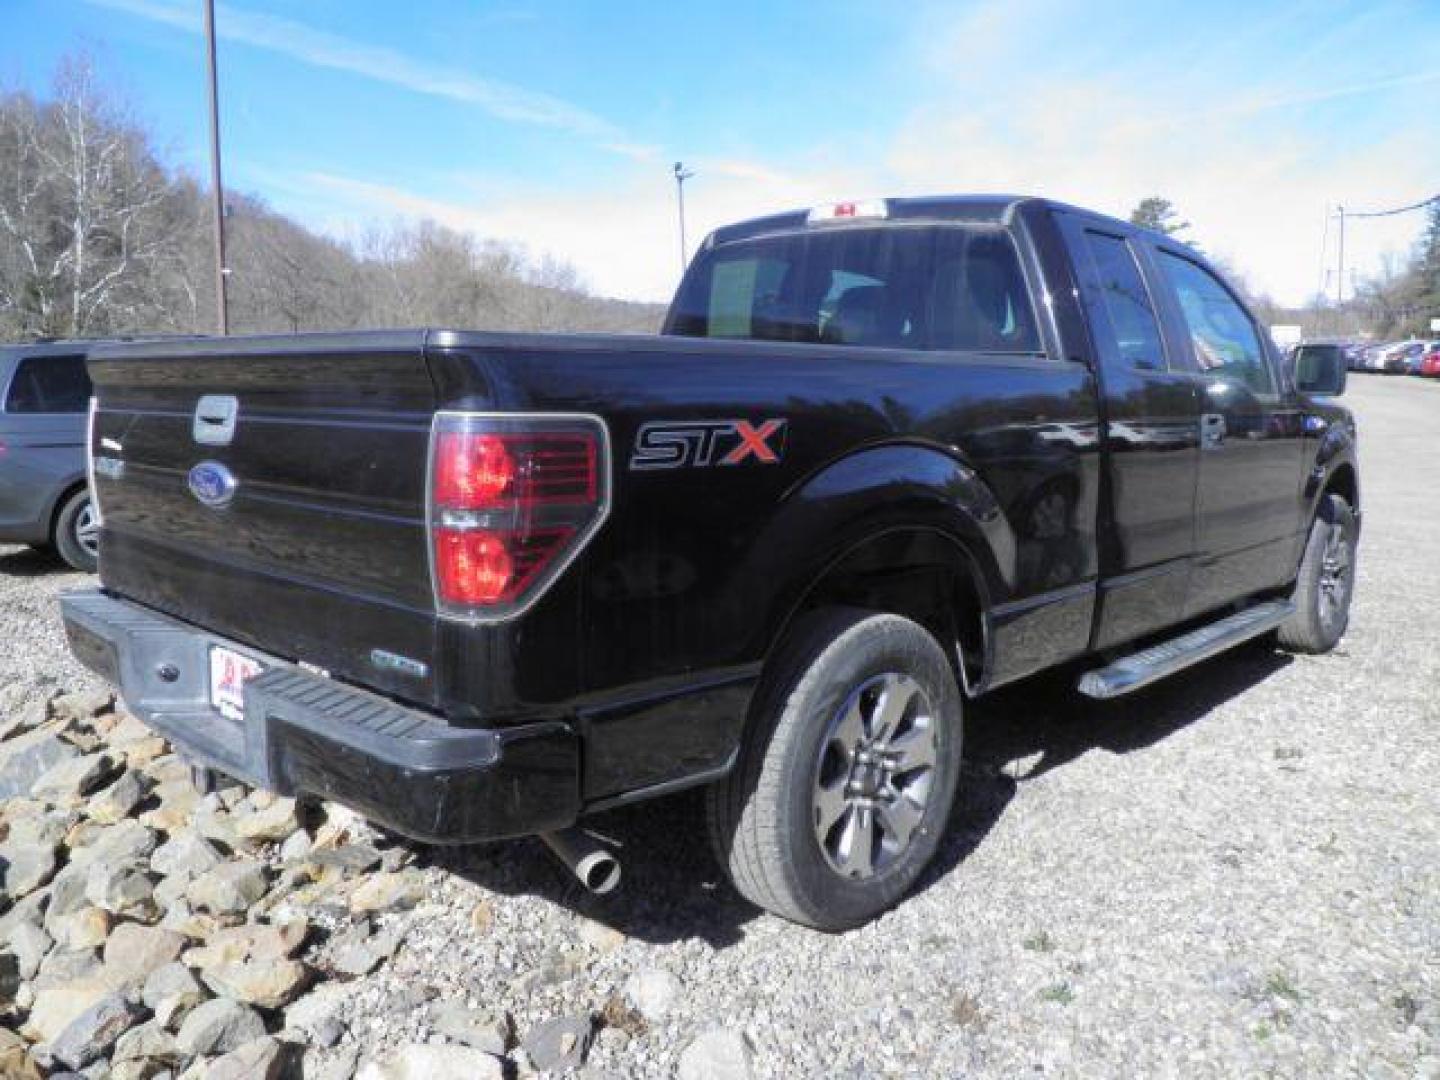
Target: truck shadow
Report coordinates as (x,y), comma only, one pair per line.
(673,889)
(30,562)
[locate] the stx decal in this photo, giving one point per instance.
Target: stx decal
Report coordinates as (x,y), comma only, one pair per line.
(677,444)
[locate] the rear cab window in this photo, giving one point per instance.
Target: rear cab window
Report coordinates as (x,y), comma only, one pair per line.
(48,384)
(896,286)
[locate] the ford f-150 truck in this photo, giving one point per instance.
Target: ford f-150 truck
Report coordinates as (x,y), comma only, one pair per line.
(884,457)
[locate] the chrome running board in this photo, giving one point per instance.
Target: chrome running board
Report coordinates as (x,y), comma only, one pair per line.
(1155,663)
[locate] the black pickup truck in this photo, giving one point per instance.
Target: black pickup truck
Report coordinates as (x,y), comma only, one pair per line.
(884,458)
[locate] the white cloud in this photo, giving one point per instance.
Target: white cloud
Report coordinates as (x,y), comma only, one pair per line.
(319,48)
(997,107)
(623,240)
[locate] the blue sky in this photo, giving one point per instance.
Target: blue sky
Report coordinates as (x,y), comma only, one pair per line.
(553,123)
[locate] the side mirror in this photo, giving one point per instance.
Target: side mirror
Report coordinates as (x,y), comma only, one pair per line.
(1320,372)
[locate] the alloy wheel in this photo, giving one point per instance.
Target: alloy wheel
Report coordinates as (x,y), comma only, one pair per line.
(873,775)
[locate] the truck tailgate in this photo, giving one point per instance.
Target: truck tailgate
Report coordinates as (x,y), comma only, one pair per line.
(302,532)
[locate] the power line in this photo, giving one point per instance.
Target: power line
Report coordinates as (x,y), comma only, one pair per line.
(1343,214)
(1391,213)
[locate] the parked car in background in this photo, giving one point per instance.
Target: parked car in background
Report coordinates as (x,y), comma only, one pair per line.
(44,499)
(1430,362)
(1415,353)
(1370,356)
(1389,359)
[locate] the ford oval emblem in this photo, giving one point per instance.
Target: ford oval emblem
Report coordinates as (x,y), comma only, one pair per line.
(213,484)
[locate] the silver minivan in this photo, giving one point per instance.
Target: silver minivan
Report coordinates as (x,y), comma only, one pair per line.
(44,500)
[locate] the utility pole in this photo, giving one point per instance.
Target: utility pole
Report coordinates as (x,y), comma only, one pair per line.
(681,175)
(222,309)
(1340,274)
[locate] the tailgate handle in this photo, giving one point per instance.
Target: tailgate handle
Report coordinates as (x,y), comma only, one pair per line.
(215,416)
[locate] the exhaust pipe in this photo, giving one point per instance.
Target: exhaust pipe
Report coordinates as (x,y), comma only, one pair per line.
(592,864)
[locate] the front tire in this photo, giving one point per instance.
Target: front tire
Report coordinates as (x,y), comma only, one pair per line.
(844,784)
(1326,581)
(77,532)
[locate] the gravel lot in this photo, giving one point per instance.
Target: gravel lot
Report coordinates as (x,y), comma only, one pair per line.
(1234,873)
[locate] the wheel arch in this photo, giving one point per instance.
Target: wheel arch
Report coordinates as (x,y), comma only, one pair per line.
(904,528)
(1344,481)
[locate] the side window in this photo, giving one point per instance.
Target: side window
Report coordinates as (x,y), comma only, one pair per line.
(1127,331)
(1227,345)
(49,384)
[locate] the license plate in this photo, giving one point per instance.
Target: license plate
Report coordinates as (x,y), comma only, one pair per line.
(229,672)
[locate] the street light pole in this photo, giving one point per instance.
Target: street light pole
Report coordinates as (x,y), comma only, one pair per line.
(681,175)
(222,311)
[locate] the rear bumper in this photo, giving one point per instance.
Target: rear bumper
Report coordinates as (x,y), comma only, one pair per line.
(304,733)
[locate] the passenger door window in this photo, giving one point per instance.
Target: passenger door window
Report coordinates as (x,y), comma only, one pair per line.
(49,384)
(1127,330)
(1226,343)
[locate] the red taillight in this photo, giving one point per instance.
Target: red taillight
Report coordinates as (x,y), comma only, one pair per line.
(471,471)
(511,502)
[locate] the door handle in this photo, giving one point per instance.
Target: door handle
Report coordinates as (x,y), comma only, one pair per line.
(1212,430)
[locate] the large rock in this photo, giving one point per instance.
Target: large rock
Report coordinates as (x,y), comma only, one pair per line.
(172,993)
(85,929)
(15,1060)
(67,782)
(385,892)
(16,719)
(121,888)
(179,801)
(717,1054)
(147,1042)
(186,854)
(422,1062)
(266,983)
(474,1028)
(348,858)
(255,941)
(559,1044)
(116,802)
(218,1027)
(134,951)
(28,909)
(319,1007)
(124,842)
(81,706)
(91,1034)
(31,822)
(29,943)
(263,1059)
(172,990)
(358,952)
(230,888)
(275,821)
(25,759)
(25,867)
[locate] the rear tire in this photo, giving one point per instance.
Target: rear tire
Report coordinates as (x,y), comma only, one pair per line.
(77,532)
(1326,581)
(845,781)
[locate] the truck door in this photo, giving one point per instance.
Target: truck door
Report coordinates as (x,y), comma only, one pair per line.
(1248,513)
(1150,410)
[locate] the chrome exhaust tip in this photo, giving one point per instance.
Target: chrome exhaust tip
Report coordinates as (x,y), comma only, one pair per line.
(593,865)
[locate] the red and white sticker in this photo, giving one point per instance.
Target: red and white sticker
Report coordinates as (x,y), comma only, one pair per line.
(229,672)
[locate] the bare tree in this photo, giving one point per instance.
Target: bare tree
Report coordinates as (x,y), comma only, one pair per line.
(88,213)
